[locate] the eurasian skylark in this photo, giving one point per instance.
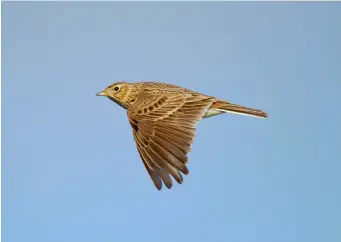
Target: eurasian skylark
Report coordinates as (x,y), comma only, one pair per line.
(163,118)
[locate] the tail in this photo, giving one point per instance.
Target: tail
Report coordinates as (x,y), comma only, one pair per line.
(233,108)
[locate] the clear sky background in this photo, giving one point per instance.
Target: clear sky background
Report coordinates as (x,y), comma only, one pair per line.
(70,168)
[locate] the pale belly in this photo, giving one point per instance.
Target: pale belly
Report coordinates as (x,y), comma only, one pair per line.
(212,112)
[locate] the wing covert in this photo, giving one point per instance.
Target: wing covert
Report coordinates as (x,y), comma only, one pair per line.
(164,130)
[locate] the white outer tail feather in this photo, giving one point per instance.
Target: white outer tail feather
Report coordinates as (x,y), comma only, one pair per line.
(228,111)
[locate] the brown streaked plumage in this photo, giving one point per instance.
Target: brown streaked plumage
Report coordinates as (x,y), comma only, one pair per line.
(163,118)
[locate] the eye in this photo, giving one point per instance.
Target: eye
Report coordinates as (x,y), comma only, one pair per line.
(116,88)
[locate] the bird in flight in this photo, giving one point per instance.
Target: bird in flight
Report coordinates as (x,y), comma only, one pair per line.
(163,118)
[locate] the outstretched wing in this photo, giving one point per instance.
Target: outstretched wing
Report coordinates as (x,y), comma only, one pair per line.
(164,130)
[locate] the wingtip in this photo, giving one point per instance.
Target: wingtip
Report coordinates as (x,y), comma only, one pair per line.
(185,171)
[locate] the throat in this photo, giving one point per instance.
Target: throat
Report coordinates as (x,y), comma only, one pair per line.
(119,103)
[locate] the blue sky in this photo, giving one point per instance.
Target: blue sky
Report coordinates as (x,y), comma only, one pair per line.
(70,169)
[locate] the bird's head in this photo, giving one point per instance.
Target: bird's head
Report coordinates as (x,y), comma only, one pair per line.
(121,93)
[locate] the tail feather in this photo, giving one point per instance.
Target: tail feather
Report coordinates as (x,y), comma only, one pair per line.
(233,108)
